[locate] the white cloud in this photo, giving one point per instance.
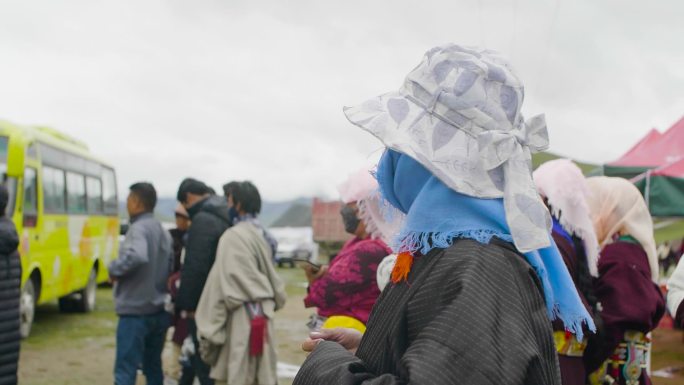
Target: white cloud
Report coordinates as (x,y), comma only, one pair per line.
(233,90)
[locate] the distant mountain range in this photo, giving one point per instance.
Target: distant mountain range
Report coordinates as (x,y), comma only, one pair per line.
(292,213)
(298,215)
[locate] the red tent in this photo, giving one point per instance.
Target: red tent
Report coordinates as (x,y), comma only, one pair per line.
(658,160)
(635,156)
(652,151)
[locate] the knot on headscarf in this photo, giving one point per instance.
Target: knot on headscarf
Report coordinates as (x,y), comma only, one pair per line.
(498,146)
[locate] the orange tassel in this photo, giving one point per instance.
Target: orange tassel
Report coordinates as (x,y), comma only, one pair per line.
(402,267)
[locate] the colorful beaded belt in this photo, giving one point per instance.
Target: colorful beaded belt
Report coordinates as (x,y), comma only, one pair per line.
(628,361)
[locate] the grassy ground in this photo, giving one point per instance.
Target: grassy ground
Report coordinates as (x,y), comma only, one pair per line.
(668,353)
(70,348)
(78,349)
(673,229)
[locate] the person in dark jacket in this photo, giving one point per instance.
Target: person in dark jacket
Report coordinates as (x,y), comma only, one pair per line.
(210,219)
(140,274)
(10,293)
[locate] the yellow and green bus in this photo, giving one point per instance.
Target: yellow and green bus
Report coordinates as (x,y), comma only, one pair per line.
(64,203)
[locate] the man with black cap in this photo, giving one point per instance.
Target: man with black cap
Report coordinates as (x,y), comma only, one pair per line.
(210,219)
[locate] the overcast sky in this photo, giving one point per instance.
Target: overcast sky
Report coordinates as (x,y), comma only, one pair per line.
(230,89)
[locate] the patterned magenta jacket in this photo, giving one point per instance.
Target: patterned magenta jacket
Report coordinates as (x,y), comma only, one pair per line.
(349,287)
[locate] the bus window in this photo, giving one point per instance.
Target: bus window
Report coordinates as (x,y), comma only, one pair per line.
(30,197)
(54,196)
(94,192)
(76,197)
(51,155)
(111,205)
(32,151)
(9,182)
(75,162)
(93,168)
(4,147)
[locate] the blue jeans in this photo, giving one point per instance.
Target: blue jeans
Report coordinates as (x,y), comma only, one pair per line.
(139,343)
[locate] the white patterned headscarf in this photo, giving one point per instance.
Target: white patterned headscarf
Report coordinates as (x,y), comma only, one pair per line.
(565,188)
(458,114)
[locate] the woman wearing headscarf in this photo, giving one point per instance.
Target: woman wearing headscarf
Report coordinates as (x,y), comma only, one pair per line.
(564,190)
(478,277)
(346,291)
(631,302)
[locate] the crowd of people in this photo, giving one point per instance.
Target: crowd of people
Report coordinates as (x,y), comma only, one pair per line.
(500,275)
(216,269)
(463,267)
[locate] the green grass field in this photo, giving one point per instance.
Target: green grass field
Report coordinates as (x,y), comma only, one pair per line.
(53,328)
(79,349)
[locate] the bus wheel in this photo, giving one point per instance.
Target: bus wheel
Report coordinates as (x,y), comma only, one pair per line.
(82,301)
(86,300)
(27,307)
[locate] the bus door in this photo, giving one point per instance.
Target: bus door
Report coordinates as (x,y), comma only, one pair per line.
(31,240)
(55,226)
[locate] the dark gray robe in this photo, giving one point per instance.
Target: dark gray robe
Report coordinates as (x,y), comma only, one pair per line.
(471,314)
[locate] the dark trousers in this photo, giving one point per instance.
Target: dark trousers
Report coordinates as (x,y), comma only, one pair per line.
(139,343)
(199,367)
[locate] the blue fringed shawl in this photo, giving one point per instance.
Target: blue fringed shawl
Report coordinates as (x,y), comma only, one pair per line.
(436,215)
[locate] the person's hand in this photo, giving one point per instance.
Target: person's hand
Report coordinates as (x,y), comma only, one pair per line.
(348,338)
(172,283)
(187,314)
(313,274)
(112,280)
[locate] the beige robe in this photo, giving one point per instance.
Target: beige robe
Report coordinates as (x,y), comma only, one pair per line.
(243,272)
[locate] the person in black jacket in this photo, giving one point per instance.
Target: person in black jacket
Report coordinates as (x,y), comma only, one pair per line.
(10,293)
(210,219)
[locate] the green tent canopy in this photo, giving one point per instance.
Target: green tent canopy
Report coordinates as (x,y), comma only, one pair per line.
(663,189)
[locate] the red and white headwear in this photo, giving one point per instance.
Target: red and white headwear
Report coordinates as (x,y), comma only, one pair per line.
(362,188)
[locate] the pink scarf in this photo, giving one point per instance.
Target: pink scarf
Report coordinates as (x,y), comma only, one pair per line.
(561,182)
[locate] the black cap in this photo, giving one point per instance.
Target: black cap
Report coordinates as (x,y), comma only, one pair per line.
(192,186)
